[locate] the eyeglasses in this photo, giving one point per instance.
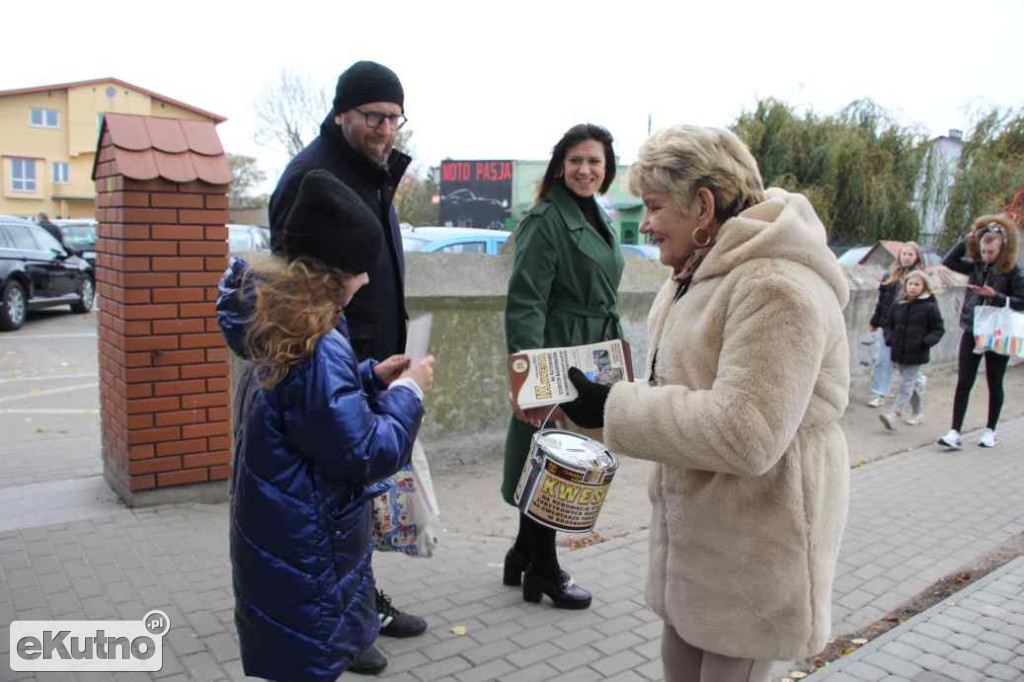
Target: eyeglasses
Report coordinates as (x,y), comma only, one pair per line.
(374,119)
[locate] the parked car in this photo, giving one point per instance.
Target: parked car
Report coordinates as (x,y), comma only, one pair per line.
(36,271)
(647,251)
(453,240)
(248,238)
(80,235)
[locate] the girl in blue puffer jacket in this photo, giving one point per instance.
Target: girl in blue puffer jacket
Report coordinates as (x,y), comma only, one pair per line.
(316,434)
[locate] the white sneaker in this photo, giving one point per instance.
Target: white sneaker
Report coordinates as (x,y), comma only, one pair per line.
(952,440)
(988,439)
(914,420)
(876,401)
(889,419)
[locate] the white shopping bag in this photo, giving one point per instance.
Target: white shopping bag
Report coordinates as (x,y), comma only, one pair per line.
(999,329)
(405,519)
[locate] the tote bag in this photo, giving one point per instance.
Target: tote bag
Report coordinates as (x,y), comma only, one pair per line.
(405,519)
(999,329)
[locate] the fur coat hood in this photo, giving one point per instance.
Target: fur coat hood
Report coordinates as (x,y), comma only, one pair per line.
(748,377)
(1008,257)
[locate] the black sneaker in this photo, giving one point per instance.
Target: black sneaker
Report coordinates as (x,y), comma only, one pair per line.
(394,623)
(370,662)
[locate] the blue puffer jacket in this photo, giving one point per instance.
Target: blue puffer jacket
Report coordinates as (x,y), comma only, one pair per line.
(310,454)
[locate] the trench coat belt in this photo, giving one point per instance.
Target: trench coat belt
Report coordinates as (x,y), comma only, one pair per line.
(611,327)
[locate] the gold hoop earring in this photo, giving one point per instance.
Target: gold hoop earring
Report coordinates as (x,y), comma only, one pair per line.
(700,244)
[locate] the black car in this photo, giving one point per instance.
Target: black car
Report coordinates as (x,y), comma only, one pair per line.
(80,235)
(36,271)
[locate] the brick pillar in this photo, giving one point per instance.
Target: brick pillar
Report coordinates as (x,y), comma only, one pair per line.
(161,249)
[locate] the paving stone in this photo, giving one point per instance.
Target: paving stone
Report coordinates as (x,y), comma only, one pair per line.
(1003,672)
(442,669)
(925,643)
(623,660)
(541,672)
(202,667)
(578,638)
(577,658)
(996,653)
(1000,639)
(581,675)
(534,654)
(959,673)
(488,671)
(957,625)
(450,647)
(969,659)
(864,671)
(623,640)
(960,641)
(482,654)
(893,664)
(934,631)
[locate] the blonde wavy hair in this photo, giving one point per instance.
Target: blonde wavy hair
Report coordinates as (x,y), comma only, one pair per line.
(897,271)
(681,159)
(297,303)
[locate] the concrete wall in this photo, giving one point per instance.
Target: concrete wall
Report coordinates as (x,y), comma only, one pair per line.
(468,413)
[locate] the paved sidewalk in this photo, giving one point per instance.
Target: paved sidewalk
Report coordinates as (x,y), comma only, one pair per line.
(977,634)
(913,518)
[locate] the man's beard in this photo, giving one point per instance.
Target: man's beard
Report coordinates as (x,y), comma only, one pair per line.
(379,158)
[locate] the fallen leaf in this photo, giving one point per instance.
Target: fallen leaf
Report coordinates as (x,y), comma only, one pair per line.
(859,641)
(459,630)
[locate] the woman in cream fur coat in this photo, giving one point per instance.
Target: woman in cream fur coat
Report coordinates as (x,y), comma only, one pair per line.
(748,376)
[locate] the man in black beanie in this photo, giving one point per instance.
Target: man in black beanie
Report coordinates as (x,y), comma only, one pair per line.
(356,145)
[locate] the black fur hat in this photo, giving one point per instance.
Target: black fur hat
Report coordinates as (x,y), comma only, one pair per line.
(329,222)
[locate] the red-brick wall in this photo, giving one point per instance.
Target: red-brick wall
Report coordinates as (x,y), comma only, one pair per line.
(164,388)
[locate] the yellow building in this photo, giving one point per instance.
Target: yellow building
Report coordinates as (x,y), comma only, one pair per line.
(48,141)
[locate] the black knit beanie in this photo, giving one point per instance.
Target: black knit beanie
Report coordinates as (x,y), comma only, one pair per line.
(367,82)
(330,223)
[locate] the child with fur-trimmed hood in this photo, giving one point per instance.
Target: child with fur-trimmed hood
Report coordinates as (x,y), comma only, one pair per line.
(914,326)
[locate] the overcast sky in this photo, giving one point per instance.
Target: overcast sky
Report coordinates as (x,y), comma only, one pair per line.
(504,79)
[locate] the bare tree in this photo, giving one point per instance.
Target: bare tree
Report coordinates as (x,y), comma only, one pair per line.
(289,112)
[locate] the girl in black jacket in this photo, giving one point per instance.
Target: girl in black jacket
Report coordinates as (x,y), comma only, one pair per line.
(908,260)
(913,327)
(993,278)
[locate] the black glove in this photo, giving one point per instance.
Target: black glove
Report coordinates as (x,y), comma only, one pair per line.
(588,409)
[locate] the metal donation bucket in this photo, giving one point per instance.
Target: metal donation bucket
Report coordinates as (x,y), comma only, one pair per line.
(565,480)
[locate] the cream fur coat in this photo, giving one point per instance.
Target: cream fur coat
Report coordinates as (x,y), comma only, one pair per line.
(751,489)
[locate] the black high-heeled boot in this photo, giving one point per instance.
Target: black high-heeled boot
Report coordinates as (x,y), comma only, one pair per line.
(515,564)
(563,591)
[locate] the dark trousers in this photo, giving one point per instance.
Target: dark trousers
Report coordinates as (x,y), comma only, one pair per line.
(995,370)
(537,544)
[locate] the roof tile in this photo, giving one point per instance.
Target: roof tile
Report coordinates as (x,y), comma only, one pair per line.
(202,138)
(127,132)
(175,167)
(212,169)
(136,165)
(166,134)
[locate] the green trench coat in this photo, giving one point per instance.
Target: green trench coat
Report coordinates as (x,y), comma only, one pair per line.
(562,292)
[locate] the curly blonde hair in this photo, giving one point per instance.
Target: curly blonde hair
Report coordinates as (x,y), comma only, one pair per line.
(297,303)
(681,159)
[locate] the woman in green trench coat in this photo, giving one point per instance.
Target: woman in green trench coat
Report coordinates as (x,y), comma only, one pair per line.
(562,292)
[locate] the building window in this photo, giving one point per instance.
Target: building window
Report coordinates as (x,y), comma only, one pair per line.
(61,173)
(45,118)
(23,175)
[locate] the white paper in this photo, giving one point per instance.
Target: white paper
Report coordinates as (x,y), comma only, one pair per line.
(417,342)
